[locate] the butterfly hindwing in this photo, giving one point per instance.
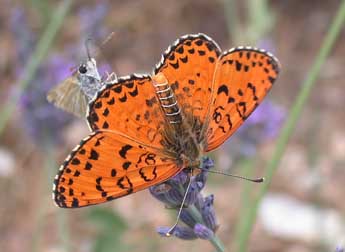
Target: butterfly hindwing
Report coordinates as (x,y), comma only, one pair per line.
(242,79)
(189,65)
(131,107)
(106,166)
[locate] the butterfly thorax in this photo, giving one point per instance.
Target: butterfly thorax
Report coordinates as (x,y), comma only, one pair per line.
(89,78)
(179,136)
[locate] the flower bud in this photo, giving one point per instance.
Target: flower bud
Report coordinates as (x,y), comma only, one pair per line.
(203,232)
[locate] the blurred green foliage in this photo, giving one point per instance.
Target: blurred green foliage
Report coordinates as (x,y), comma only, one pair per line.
(110,229)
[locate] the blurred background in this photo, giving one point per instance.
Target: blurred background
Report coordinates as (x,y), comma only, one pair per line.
(304,210)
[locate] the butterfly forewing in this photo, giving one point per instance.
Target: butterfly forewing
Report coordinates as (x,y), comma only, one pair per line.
(189,65)
(106,166)
(242,79)
(69,97)
(131,107)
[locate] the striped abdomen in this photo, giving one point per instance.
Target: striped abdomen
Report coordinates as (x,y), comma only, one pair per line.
(167,99)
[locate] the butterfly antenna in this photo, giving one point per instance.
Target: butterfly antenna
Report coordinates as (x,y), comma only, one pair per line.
(87,41)
(107,39)
(101,47)
(255,180)
(180,209)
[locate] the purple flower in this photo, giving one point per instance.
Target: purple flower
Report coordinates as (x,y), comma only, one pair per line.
(188,218)
(184,233)
(208,213)
(339,249)
(203,232)
(202,225)
(41,120)
(23,36)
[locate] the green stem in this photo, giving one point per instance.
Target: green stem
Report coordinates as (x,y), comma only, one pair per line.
(217,244)
(36,58)
(329,40)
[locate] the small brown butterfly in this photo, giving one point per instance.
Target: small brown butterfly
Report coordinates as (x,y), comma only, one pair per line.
(74,93)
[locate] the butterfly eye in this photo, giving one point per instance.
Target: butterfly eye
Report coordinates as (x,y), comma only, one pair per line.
(82,69)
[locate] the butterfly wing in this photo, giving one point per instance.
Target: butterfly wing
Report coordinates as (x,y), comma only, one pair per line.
(129,106)
(69,97)
(189,65)
(242,79)
(108,165)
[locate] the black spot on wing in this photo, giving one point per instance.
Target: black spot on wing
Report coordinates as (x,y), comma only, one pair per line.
(94,155)
(123,98)
(129,84)
(113,172)
(126,165)
(172,56)
(75,202)
(88,166)
(106,112)
(98,104)
(150,102)
(180,50)
(148,177)
(184,59)
(238,65)
(134,92)
(76,173)
(125,183)
(111,101)
(124,149)
(117,89)
(75,161)
(175,65)
(223,89)
(201,52)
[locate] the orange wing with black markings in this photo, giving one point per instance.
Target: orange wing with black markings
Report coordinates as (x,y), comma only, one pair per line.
(242,79)
(129,106)
(189,65)
(106,166)
(147,129)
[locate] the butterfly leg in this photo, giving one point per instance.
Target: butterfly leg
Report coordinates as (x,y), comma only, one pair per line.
(111,78)
(182,206)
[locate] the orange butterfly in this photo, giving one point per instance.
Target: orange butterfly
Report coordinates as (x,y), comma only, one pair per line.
(147,129)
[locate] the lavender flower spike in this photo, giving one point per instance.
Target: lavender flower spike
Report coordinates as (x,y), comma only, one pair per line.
(184,233)
(197,217)
(203,232)
(208,213)
(340,249)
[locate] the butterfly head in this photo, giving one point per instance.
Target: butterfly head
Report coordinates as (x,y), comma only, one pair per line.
(89,69)
(89,78)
